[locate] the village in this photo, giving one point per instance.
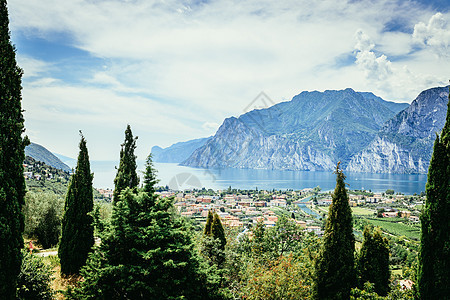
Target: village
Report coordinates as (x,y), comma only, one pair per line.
(308,207)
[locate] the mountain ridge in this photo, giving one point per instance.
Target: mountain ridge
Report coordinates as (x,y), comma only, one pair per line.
(311,132)
(40,153)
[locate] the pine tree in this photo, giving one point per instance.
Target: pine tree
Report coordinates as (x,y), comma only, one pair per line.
(434,262)
(12,183)
(373,262)
(77,236)
(148,254)
(335,265)
(126,173)
(150,179)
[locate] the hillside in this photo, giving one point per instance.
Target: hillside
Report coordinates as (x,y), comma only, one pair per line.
(311,132)
(40,153)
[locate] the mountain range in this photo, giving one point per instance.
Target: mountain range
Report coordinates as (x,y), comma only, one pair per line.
(316,129)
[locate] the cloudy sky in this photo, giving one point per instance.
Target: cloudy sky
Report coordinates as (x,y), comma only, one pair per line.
(174,70)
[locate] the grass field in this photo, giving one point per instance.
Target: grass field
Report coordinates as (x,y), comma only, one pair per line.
(362,211)
(396,228)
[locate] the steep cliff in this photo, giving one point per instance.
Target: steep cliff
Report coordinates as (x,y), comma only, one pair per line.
(404,144)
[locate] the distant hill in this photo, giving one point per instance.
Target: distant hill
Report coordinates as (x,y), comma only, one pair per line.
(177,152)
(313,131)
(40,153)
(71,162)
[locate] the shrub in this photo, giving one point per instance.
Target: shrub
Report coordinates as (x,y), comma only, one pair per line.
(35,278)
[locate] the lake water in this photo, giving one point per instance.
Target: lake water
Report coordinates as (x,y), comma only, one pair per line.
(180,177)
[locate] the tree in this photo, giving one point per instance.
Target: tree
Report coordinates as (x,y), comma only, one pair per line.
(373,262)
(150,176)
(126,173)
(334,267)
(434,263)
(12,155)
(209,220)
(148,253)
(77,236)
(218,232)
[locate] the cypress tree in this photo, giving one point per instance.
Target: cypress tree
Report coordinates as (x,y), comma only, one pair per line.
(373,262)
(12,183)
(218,232)
(149,254)
(335,266)
(126,173)
(434,262)
(77,236)
(209,220)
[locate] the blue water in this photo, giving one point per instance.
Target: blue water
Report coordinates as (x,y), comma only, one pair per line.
(306,209)
(179,177)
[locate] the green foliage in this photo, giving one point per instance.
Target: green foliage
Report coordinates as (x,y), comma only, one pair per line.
(35,278)
(150,180)
(389,192)
(214,240)
(284,278)
(217,231)
(126,173)
(77,235)
(434,262)
(334,268)
(43,214)
(209,220)
(12,155)
(373,261)
(148,254)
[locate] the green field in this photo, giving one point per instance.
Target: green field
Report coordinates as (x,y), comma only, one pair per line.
(362,211)
(396,228)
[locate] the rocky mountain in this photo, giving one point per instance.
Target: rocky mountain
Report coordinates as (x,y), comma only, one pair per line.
(311,132)
(177,152)
(404,144)
(40,153)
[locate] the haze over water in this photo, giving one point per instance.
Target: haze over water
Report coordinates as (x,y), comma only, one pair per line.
(180,177)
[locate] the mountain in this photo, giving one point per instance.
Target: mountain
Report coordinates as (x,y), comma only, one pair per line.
(71,162)
(177,152)
(40,153)
(404,144)
(313,131)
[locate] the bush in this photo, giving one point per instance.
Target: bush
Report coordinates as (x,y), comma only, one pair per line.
(43,213)
(35,278)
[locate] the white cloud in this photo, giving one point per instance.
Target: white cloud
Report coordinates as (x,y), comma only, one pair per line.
(389,79)
(435,34)
(176,69)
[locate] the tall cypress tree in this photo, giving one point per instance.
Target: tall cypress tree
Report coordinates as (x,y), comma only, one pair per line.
(218,232)
(126,173)
(373,261)
(335,266)
(12,183)
(434,262)
(77,237)
(209,220)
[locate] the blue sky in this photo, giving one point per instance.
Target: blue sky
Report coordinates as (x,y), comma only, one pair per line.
(174,70)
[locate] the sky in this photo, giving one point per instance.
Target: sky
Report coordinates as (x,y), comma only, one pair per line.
(174,70)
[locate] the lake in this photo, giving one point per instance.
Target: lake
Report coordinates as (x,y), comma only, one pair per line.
(180,177)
